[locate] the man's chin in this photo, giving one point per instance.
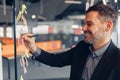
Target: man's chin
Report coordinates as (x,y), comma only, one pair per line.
(88,41)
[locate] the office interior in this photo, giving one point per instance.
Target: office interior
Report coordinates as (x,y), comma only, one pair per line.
(58,25)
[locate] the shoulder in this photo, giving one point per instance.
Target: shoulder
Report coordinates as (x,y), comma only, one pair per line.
(113,48)
(83,44)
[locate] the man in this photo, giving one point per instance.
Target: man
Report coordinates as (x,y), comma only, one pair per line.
(95,58)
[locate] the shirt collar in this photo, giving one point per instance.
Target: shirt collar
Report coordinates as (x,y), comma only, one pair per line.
(98,53)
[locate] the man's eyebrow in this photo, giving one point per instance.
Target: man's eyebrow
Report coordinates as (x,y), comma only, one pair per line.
(88,22)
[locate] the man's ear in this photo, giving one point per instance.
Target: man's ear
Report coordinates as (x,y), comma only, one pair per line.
(109,26)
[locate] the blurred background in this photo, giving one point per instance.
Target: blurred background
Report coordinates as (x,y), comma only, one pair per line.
(58,24)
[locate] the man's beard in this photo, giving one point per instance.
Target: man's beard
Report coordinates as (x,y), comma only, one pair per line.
(92,40)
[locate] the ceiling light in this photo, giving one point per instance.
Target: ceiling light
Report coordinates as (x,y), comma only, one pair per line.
(87,6)
(104,2)
(73,2)
(92,2)
(79,17)
(33,16)
(115,1)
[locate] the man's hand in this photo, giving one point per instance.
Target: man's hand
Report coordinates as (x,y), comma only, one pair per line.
(29,42)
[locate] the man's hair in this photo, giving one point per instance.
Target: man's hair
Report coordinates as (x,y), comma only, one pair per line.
(106,12)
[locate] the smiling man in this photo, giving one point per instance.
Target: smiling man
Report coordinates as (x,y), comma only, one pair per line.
(94,58)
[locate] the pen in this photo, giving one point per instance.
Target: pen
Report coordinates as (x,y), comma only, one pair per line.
(35,35)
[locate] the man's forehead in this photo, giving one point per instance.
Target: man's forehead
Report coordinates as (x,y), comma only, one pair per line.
(91,16)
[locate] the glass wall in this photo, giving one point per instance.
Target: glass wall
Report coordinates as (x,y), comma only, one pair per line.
(59,28)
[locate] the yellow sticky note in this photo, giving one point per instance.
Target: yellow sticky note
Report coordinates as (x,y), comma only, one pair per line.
(21,77)
(26,54)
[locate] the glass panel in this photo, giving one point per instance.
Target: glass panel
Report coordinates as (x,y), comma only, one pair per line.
(54,35)
(58,25)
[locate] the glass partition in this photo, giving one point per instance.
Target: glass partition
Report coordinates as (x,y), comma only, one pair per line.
(58,29)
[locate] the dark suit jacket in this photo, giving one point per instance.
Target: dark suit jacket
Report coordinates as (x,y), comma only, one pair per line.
(108,67)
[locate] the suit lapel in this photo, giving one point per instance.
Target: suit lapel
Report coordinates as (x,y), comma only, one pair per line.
(104,66)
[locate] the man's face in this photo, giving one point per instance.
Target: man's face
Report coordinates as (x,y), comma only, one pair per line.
(94,28)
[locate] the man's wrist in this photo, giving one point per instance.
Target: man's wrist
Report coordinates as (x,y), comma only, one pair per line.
(33,50)
(37,53)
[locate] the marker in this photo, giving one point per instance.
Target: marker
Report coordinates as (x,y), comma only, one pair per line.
(35,35)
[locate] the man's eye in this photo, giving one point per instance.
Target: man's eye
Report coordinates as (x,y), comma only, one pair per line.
(89,24)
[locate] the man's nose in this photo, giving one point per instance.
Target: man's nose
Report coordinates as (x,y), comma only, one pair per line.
(84,28)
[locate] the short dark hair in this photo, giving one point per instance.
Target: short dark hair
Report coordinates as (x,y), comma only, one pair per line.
(106,12)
